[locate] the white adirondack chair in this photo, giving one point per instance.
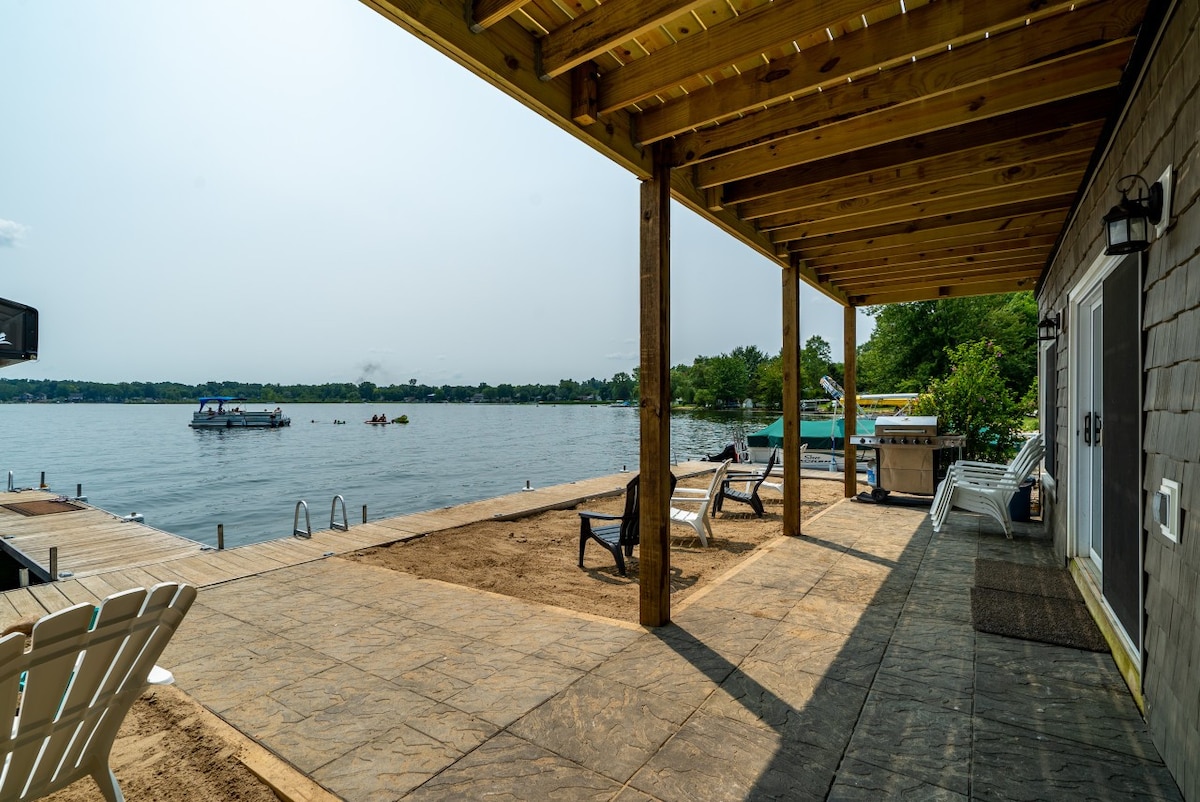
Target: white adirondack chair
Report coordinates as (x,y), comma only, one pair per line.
(698,501)
(985,487)
(63,701)
(777,473)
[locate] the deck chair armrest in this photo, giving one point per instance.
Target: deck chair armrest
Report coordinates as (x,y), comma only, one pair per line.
(690,491)
(600,516)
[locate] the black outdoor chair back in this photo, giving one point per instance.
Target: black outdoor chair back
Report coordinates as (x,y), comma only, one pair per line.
(749,496)
(620,537)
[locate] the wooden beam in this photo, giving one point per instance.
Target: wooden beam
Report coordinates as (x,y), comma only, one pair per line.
(984,231)
(928,227)
(933,258)
(603,28)
(933,294)
(654,566)
(850,399)
(486,13)
(953,276)
(1057,187)
(1044,85)
(585,84)
(928,173)
(746,36)
(1016,181)
(504,57)
(875,67)
(1056,118)
(790,359)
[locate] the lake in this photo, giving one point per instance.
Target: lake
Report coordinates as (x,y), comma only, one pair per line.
(144,458)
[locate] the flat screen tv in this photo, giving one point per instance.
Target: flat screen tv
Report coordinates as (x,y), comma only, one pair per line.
(18,333)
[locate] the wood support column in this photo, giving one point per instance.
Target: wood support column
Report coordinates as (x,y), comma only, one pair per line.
(791,397)
(654,555)
(850,385)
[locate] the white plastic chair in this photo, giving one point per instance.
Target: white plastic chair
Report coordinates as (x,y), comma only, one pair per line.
(64,699)
(778,473)
(985,487)
(697,516)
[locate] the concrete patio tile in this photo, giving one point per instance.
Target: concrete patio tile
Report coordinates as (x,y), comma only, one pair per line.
(1028,661)
(1100,716)
(505,696)
(227,678)
(261,717)
(508,767)
(862,782)
(936,679)
(873,622)
(714,758)
(828,654)
(730,634)
(386,767)
(1013,763)
(607,727)
(628,794)
(431,683)
(760,601)
(458,730)
(920,740)
(848,588)
(948,603)
(587,648)
(352,643)
(804,708)
(344,685)
(937,635)
(680,671)
(475,661)
(404,655)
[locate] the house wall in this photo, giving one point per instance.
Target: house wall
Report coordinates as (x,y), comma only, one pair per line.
(1161,128)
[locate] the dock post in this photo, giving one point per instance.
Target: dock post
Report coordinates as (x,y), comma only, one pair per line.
(43,483)
(79,490)
(364,513)
(54,563)
(23,577)
(220,537)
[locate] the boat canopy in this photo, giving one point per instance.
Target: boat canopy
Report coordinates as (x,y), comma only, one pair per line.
(220,399)
(813,433)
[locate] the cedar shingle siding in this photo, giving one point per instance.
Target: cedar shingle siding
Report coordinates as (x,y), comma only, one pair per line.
(1161,127)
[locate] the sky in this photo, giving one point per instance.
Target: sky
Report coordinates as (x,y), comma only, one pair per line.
(302,192)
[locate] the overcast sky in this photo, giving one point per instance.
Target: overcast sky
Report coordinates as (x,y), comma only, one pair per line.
(302,192)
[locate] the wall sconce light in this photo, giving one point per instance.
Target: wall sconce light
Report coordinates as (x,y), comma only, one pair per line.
(1048,327)
(1127,225)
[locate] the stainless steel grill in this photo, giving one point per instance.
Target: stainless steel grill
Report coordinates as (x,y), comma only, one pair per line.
(912,457)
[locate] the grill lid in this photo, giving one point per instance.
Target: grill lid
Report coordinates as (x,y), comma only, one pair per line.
(906,425)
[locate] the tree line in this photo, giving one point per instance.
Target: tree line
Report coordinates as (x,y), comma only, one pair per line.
(909,349)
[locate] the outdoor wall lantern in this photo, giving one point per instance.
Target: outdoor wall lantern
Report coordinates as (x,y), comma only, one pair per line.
(1127,225)
(1048,327)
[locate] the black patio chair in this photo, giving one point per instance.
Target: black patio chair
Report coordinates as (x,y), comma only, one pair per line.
(616,537)
(750,495)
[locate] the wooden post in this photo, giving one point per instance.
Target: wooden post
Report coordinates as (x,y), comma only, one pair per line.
(850,385)
(654,554)
(364,513)
(791,397)
(220,537)
(54,563)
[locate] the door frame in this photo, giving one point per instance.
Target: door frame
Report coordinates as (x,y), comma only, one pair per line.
(1089,281)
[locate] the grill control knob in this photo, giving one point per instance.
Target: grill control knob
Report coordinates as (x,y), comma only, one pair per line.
(928,442)
(903,441)
(862,441)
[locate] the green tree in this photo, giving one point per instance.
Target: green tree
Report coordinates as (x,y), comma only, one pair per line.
(974,400)
(815,362)
(908,348)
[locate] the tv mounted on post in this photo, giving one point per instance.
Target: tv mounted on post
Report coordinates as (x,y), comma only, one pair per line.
(18,333)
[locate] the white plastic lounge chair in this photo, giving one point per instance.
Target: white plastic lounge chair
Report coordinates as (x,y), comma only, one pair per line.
(64,700)
(985,487)
(698,501)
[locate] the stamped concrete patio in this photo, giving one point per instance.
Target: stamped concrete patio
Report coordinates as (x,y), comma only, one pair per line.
(838,665)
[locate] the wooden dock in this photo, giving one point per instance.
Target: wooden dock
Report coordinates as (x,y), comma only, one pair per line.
(99,554)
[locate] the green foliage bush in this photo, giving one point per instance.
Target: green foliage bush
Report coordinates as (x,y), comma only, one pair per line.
(974,400)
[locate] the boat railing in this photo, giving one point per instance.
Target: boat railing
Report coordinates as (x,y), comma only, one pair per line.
(344,526)
(306,532)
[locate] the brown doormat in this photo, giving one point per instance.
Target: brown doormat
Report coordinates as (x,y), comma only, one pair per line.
(46,507)
(1032,603)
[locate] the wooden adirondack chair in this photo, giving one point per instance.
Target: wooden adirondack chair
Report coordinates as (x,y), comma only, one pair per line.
(64,699)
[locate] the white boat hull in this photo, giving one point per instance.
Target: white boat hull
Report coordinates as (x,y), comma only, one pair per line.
(239,420)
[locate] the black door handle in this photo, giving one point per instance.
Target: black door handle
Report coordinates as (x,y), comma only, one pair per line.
(1096,436)
(1087,429)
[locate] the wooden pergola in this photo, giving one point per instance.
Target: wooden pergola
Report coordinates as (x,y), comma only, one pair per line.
(878,151)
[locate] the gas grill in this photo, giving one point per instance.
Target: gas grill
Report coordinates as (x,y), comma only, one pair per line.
(912,457)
